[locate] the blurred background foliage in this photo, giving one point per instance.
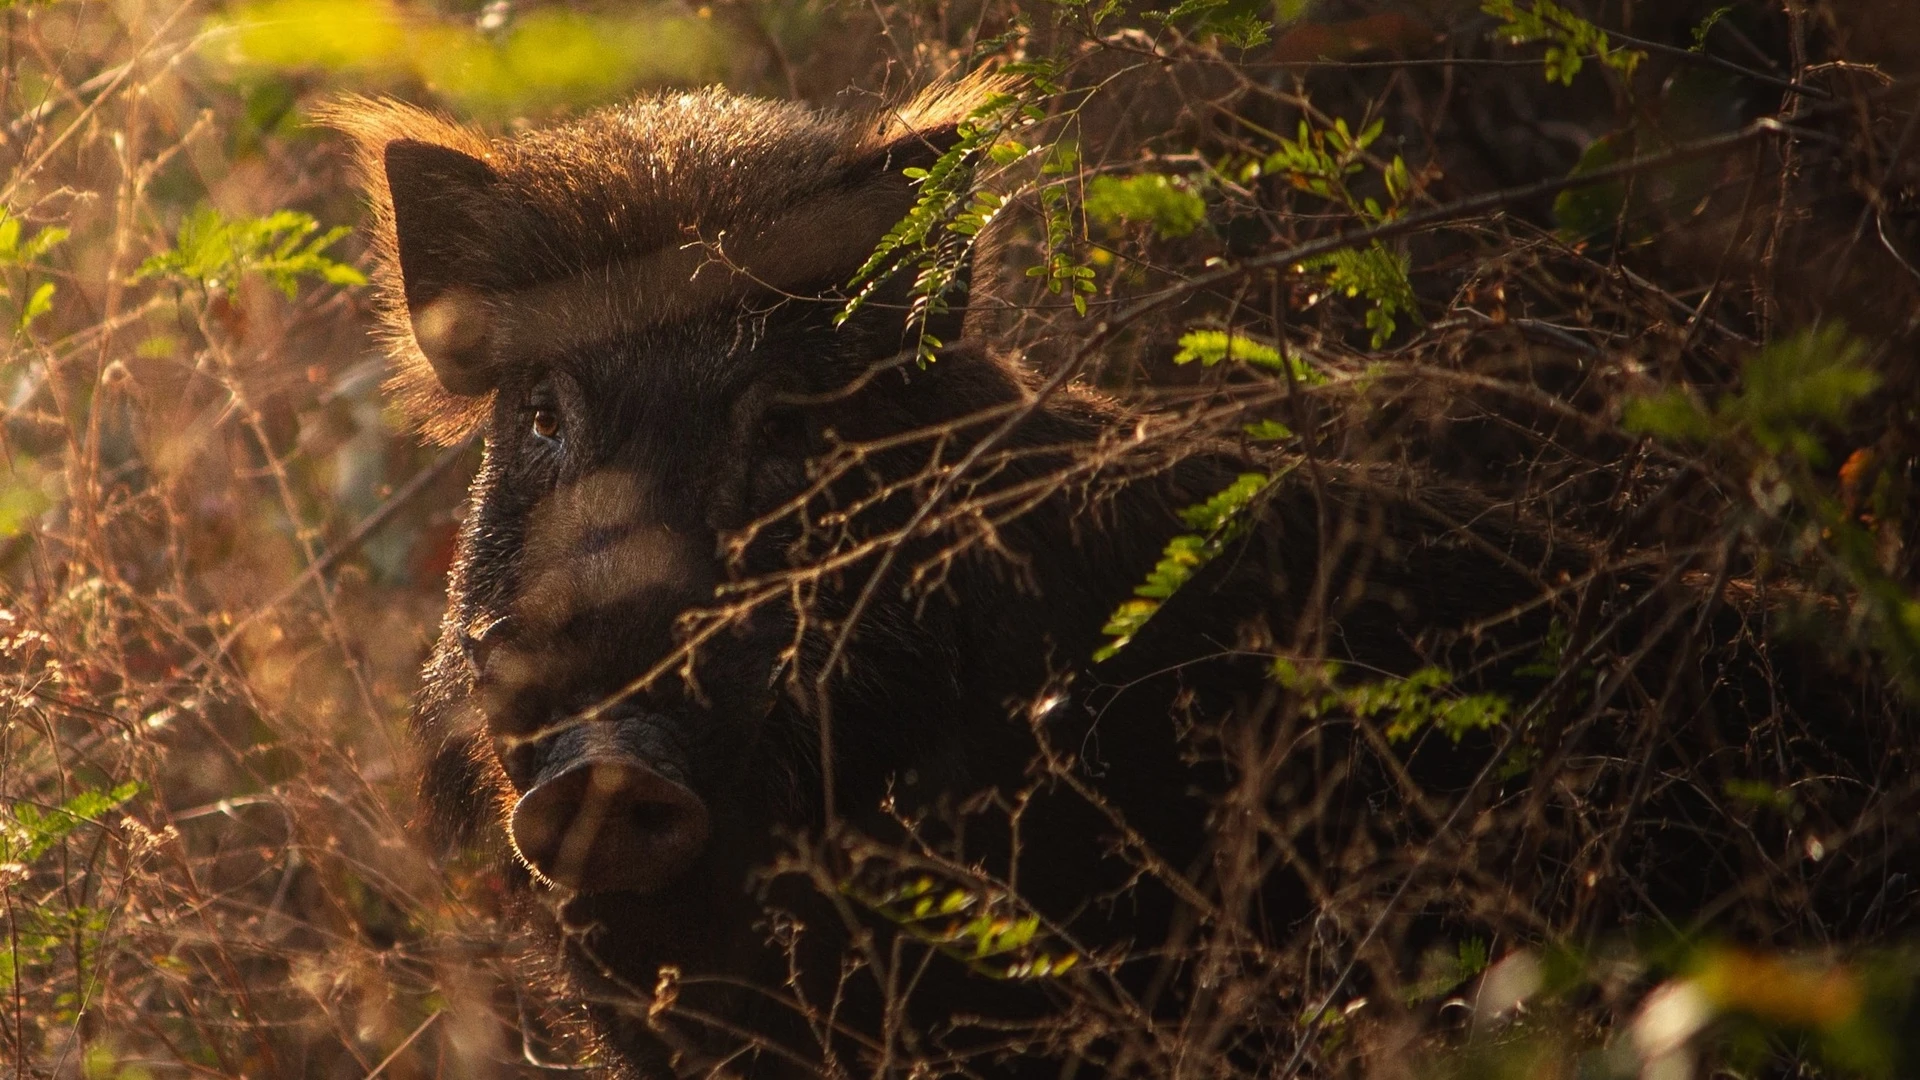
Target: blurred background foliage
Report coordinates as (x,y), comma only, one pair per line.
(221,556)
(496,66)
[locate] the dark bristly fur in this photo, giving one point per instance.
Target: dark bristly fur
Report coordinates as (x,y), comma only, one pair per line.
(629,308)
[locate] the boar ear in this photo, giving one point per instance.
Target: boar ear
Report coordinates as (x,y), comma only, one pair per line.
(445,215)
(914,133)
(879,176)
(905,150)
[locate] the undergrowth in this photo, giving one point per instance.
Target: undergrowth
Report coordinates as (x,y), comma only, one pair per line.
(1647,281)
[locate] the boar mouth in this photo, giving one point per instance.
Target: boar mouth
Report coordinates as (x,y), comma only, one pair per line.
(604,814)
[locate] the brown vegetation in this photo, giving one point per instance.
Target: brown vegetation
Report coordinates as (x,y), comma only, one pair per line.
(223,554)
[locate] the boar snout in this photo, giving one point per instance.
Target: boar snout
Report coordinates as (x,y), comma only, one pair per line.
(602,815)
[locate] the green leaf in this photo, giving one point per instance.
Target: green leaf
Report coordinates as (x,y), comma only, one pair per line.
(15,253)
(1570,39)
(34,831)
(938,232)
(1441,971)
(996,937)
(1546,662)
(1216,522)
(1592,209)
(1380,276)
(1214,515)
(1787,388)
(1811,378)
(1246,30)
(1168,205)
(1007,151)
(1761,795)
(1243,24)
(37,305)
(1409,705)
(22,501)
(1672,414)
(1701,31)
(1398,180)
(1210,347)
(214,251)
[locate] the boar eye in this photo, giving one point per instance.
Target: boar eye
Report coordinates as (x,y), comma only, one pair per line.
(546,423)
(784,429)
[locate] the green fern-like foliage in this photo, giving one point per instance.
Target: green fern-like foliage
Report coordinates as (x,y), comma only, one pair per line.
(933,240)
(1409,705)
(1061,269)
(42,932)
(1771,432)
(1787,389)
(31,831)
(215,251)
(1216,523)
(1211,347)
(985,929)
(19,251)
(1242,24)
(1376,274)
(16,251)
(1570,39)
(1443,969)
(1169,205)
(1705,27)
(1322,163)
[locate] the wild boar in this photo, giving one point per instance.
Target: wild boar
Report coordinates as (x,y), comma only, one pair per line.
(681,639)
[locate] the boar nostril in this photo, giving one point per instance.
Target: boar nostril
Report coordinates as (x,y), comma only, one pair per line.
(609,824)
